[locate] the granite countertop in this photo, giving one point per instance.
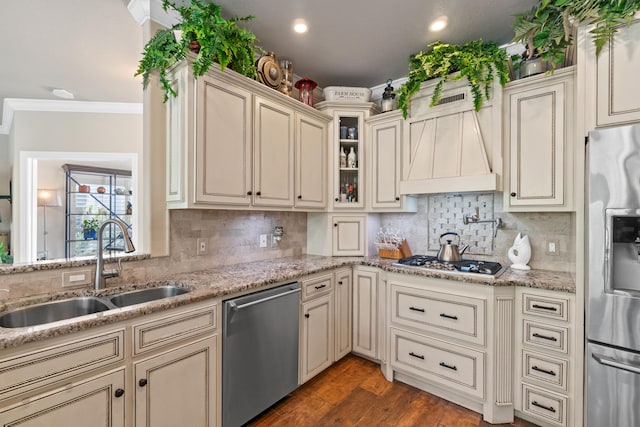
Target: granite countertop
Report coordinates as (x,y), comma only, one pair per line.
(237,278)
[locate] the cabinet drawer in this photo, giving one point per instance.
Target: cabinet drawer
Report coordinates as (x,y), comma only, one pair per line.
(160,332)
(547,369)
(543,306)
(546,336)
(544,405)
(316,286)
(42,367)
(448,364)
(451,315)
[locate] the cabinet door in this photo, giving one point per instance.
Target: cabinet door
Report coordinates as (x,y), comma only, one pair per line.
(349,236)
(537,141)
(178,388)
(99,401)
(311,149)
(343,312)
(223,143)
(616,74)
(317,337)
(273,152)
(365,313)
(349,159)
(386,141)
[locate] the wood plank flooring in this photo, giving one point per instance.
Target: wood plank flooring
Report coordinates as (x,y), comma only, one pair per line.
(353,392)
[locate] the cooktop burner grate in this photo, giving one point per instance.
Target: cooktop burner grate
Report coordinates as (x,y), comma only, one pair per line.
(464,266)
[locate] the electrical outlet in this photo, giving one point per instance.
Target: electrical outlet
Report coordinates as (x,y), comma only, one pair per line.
(202,246)
(263,240)
(553,247)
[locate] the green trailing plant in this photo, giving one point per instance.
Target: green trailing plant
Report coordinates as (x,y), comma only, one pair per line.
(480,63)
(204,31)
(548,27)
(5,258)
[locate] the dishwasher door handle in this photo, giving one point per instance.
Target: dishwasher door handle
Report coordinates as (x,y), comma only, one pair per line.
(236,307)
(616,364)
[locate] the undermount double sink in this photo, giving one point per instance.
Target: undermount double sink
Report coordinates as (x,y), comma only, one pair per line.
(54,311)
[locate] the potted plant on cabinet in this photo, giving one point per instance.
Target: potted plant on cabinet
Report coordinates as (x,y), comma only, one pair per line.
(89,228)
(204,31)
(480,63)
(549,27)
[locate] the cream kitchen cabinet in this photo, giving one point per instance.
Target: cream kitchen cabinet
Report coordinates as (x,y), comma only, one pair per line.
(348,137)
(366,312)
(97,401)
(544,391)
(159,369)
(343,309)
(385,134)
(317,340)
(347,234)
(612,96)
(539,117)
(311,163)
(231,144)
(178,387)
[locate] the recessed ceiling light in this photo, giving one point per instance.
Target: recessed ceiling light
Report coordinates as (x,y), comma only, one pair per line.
(300,26)
(439,24)
(61,93)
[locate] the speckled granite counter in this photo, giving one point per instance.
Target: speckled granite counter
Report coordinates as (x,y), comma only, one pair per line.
(55,264)
(244,277)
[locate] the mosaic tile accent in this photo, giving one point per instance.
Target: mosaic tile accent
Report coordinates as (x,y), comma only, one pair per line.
(446,214)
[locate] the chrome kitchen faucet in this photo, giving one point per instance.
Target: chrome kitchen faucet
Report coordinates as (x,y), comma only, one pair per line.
(101,274)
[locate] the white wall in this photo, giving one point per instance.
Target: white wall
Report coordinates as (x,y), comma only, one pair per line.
(65,132)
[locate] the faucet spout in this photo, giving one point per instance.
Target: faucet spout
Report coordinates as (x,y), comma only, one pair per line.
(101,275)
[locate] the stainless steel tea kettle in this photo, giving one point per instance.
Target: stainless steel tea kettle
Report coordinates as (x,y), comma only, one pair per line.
(449,251)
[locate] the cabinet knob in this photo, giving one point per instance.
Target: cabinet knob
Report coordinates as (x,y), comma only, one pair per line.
(119,392)
(142,382)
(397,199)
(306,315)
(335,225)
(337,199)
(249,193)
(258,193)
(513,194)
(340,282)
(300,197)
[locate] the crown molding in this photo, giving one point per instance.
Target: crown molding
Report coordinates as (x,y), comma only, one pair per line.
(144,10)
(11,105)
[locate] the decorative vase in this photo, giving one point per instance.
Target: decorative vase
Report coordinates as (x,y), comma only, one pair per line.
(90,234)
(351,158)
(520,253)
(343,158)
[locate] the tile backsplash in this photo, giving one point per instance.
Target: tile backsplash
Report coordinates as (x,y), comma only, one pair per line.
(437,214)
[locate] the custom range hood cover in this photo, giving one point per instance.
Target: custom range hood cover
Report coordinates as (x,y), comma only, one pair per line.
(451,147)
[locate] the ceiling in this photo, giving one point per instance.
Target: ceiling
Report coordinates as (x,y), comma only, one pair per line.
(91,47)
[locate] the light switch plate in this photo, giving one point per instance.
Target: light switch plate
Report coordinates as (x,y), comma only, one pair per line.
(202,246)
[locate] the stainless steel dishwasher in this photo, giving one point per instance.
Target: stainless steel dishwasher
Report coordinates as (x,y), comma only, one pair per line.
(259,351)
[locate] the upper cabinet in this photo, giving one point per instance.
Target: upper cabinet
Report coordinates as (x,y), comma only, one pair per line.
(233,143)
(452,147)
(612,95)
(538,135)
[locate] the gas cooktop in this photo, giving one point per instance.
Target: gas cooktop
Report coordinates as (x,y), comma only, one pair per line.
(465,266)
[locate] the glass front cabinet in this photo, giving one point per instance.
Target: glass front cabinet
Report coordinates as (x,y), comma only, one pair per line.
(93,195)
(347,152)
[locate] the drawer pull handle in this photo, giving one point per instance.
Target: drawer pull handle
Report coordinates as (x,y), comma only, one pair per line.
(545,337)
(544,307)
(421,310)
(446,316)
(416,355)
(545,371)
(320,286)
(548,408)
(444,365)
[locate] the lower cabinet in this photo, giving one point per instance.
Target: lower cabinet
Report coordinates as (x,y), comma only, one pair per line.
(317,337)
(178,387)
(365,312)
(166,376)
(343,305)
(96,401)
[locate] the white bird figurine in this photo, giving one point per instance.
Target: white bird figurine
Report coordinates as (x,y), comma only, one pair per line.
(520,253)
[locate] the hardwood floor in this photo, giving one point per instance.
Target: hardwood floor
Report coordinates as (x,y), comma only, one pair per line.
(353,392)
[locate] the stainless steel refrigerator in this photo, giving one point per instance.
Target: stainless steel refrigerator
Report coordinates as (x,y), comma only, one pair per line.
(613,266)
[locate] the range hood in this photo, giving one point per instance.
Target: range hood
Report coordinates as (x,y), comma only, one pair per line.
(451,147)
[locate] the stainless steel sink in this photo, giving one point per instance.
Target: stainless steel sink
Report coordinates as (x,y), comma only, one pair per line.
(52,312)
(146,295)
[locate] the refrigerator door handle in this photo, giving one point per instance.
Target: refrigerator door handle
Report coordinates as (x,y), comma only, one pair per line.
(607,361)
